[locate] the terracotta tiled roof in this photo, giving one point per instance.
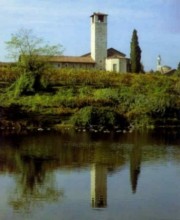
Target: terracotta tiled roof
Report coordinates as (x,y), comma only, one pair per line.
(169,72)
(117,57)
(71,59)
(111,52)
(86,55)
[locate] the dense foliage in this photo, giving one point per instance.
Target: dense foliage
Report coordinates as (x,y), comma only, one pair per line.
(86,97)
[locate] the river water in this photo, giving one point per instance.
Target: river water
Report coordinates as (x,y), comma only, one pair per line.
(72,175)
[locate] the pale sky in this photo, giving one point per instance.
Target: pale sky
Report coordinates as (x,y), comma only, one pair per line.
(68,23)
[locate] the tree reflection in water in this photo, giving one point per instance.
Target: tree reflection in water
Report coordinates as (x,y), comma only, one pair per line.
(135,166)
(35,185)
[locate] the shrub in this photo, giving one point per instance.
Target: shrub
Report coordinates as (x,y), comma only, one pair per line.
(83,117)
(24,85)
(105,117)
(107,94)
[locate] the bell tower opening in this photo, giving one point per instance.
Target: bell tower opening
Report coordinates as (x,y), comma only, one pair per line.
(100,18)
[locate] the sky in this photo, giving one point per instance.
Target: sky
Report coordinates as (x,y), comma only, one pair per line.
(68,23)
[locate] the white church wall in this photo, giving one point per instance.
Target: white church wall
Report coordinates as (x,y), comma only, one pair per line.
(116,65)
(112,65)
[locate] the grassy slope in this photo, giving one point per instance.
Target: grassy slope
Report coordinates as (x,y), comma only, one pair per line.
(142,99)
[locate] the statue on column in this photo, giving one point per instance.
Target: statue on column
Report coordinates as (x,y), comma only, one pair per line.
(159,60)
(159,63)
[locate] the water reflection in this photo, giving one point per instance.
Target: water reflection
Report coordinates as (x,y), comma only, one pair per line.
(99,173)
(135,166)
(34,184)
(33,162)
(98,186)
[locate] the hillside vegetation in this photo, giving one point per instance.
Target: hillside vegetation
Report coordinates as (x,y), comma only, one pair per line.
(86,98)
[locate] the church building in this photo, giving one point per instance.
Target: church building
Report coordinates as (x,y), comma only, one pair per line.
(99,57)
(163,69)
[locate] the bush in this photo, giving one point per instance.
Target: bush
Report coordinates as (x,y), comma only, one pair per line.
(92,116)
(107,94)
(24,85)
(83,117)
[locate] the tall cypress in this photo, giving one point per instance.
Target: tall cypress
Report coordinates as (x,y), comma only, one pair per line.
(135,54)
(178,67)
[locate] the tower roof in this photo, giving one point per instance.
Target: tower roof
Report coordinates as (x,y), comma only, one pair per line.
(98,13)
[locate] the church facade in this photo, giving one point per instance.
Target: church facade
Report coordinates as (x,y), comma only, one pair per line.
(100,57)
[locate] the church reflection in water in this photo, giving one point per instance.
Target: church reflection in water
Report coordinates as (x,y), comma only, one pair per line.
(98,186)
(35,162)
(99,173)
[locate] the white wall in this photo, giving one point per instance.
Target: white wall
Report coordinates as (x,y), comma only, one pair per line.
(117,65)
(123,65)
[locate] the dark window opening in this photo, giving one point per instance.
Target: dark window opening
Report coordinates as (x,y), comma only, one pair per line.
(100,18)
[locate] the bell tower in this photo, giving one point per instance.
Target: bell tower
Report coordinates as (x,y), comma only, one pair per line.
(99,39)
(158,68)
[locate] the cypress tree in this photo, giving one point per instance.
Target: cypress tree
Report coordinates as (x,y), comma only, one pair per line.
(135,54)
(178,67)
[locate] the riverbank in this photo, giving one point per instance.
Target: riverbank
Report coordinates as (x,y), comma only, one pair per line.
(92,100)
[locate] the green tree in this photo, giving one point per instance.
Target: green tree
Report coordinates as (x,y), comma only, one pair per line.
(135,54)
(177,72)
(31,55)
(178,67)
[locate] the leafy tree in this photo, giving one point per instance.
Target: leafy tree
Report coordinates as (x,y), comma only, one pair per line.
(31,55)
(135,54)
